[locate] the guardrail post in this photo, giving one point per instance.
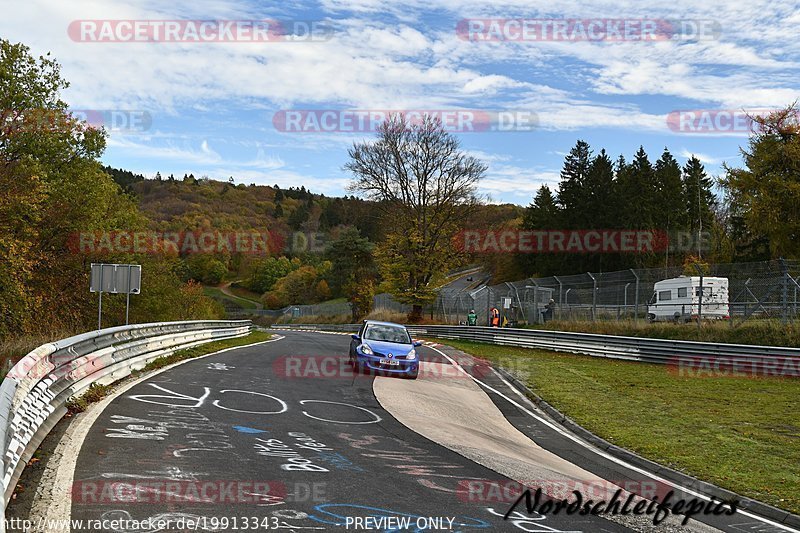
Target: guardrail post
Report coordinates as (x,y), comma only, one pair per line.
(594,297)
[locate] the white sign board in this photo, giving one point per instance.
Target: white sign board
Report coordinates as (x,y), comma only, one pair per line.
(116,279)
(506,303)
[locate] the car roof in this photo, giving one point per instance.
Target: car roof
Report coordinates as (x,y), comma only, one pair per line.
(379,323)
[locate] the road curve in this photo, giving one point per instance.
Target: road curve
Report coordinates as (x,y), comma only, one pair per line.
(283,436)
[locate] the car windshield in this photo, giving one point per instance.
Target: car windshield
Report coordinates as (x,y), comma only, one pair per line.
(380,332)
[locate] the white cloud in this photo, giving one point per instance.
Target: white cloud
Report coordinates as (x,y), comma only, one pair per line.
(202,156)
(520,182)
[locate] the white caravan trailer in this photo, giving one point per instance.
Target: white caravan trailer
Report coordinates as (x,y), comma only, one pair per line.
(678,299)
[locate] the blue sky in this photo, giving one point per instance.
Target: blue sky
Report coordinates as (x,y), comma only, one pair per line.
(212,104)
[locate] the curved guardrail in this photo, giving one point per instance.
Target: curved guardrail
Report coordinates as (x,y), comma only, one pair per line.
(34,394)
(767,359)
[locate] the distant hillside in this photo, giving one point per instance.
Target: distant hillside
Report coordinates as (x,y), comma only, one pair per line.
(188,203)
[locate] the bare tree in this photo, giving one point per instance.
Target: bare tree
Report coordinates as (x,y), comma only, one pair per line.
(425,186)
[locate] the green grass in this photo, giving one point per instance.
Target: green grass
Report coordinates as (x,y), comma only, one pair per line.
(94,393)
(341,300)
(762,332)
(245,294)
(740,433)
(97,392)
(217,294)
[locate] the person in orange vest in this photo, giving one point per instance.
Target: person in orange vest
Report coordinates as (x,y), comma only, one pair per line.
(494,319)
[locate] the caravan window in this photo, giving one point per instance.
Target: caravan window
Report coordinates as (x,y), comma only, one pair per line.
(706,291)
(664,295)
(653,299)
(682,292)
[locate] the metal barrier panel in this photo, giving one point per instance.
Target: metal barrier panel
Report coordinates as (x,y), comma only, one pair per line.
(640,349)
(34,394)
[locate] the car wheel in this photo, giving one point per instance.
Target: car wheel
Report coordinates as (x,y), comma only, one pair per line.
(413,376)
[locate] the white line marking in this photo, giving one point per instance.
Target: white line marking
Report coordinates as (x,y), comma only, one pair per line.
(599,452)
(59,508)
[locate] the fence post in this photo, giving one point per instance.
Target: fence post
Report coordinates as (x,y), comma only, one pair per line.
(636,298)
(625,300)
(700,301)
(560,301)
(536,314)
(784,291)
(594,297)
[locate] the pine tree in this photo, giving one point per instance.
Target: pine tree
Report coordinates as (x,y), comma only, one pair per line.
(636,187)
(669,193)
(698,196)
(599,185)
(572,195)
(542,214)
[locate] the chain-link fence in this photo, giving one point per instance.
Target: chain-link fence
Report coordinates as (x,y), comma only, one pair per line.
(766,289)
(761,290)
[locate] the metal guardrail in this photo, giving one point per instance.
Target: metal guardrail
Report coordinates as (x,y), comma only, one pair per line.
(340,328)
(641,349)
(34,394)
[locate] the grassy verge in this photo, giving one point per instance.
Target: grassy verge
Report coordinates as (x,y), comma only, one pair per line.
(97,392)
(217,294)
(245,294)
(764,332)
(742,434)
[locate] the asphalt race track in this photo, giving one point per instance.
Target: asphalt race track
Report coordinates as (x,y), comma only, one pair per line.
(281,436)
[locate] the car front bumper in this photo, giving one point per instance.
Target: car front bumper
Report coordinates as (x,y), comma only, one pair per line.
(373,363)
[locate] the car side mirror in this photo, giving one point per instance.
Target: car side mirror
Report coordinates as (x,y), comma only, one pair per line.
(355,337)
(417,343)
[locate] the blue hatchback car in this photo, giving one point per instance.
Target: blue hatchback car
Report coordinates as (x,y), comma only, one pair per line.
(384,348)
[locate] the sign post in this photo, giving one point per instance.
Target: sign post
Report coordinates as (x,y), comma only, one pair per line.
(115,279)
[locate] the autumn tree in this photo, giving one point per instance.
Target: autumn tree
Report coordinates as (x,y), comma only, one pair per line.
(54,189)
(425,186)
(767,189)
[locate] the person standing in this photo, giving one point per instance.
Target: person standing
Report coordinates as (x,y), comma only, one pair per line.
(548,310)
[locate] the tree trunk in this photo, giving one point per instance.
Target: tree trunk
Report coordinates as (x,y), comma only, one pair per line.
(415,316)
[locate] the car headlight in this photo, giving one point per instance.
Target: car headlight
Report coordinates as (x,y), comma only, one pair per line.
(412,354)
(366,350)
